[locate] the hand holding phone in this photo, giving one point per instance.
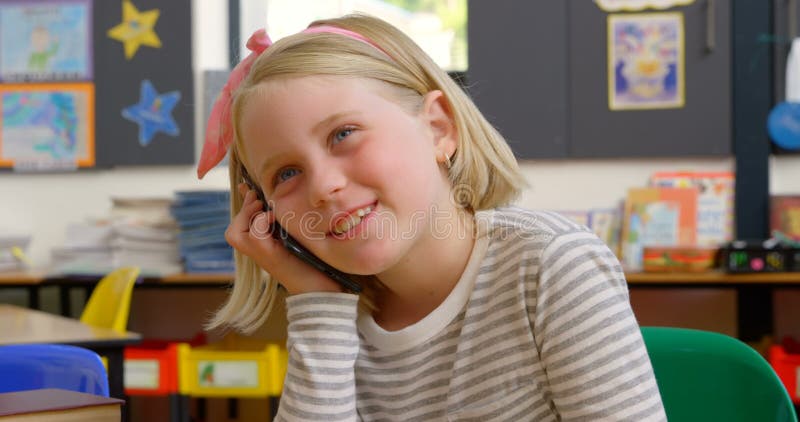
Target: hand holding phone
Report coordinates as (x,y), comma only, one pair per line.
(299,250)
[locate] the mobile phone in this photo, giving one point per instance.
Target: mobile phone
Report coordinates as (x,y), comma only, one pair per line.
(299,250)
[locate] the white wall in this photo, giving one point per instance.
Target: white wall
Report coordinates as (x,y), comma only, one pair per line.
(784,175)
(43,204)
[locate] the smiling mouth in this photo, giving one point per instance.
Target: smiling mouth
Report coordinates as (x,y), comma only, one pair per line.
(352,220)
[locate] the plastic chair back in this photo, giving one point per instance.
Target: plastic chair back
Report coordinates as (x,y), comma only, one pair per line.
(110,302)
(34,366)
(705,376)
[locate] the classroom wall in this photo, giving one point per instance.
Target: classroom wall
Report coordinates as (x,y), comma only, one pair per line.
(43,204)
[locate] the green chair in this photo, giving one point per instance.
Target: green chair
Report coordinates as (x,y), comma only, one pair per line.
(705,376)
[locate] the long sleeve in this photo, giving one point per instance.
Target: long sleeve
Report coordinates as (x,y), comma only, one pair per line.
(323,346)
(595,360)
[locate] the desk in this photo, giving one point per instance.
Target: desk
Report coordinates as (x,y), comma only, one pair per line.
(30,281)
(713,277)
(22,325)
(754,291)
(66,282)
(753,294)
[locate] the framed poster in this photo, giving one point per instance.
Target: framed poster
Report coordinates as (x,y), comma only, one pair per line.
(47,126)
(645,61)
(45,40)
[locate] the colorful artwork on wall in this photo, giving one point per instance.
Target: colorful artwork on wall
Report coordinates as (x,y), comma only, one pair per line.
(45,41)
(153,113)
(646,61)
(47,126)
(136,29)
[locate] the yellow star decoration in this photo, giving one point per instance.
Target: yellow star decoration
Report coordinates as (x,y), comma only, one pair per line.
(136,29)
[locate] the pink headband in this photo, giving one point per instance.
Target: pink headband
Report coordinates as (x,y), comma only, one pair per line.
(219,133)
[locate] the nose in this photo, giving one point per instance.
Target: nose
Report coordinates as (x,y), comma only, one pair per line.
(326,179)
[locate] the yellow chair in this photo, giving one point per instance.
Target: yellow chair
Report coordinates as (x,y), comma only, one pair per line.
(110,302)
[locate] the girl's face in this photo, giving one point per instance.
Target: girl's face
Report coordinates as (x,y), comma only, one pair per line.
(350,172)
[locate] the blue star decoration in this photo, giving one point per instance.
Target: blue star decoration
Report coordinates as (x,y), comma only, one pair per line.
(153,113)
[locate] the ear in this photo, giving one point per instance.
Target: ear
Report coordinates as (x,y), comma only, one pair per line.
(436,114)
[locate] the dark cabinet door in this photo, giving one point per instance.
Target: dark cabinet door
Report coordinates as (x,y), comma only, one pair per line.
(786,15)
(517,72)
(701,127)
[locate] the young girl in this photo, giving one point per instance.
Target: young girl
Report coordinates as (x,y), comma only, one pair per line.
(381,166)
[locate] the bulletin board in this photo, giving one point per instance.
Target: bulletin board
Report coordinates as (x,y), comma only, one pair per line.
(144,82)
(95,83)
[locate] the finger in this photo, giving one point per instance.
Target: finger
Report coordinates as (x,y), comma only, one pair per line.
(251,202)
(260,226)
(241,221)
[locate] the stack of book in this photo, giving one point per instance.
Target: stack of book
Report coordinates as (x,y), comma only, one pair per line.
(686,215)
(202,217)
(784,220)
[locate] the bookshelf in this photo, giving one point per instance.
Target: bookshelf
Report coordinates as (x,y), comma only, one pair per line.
(712,277)
(754,294)
(754,291)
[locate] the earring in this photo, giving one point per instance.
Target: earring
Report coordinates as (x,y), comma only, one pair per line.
(446,160)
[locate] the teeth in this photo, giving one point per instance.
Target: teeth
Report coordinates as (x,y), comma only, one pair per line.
(351,221)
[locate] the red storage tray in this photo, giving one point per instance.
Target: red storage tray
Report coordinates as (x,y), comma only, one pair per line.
(151,367)
(787,365)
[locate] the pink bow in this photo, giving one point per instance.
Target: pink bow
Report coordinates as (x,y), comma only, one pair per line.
(219,132)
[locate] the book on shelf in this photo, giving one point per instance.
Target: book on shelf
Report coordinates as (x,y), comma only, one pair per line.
(56,405)
(603,222)
(577,216)
(657,216)
(784,215)
(715,206)
(606,223)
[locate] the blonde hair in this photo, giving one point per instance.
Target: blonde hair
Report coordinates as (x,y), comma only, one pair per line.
(484,173)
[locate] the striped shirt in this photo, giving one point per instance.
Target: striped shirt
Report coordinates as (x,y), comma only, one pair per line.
(538,328)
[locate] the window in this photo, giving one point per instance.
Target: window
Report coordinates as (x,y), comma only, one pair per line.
(438,26)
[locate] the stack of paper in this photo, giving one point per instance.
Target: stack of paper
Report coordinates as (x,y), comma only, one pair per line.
(13,249)
(139,232)
(86,249)
(203,217)
(145,235)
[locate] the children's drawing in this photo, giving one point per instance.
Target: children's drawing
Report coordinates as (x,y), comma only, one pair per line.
(137,28)
(645,61)
(637,5)
(45,41)
(153,113)
(47,126)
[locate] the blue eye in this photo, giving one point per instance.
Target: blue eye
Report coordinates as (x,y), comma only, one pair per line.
(340,134)
(286,174)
